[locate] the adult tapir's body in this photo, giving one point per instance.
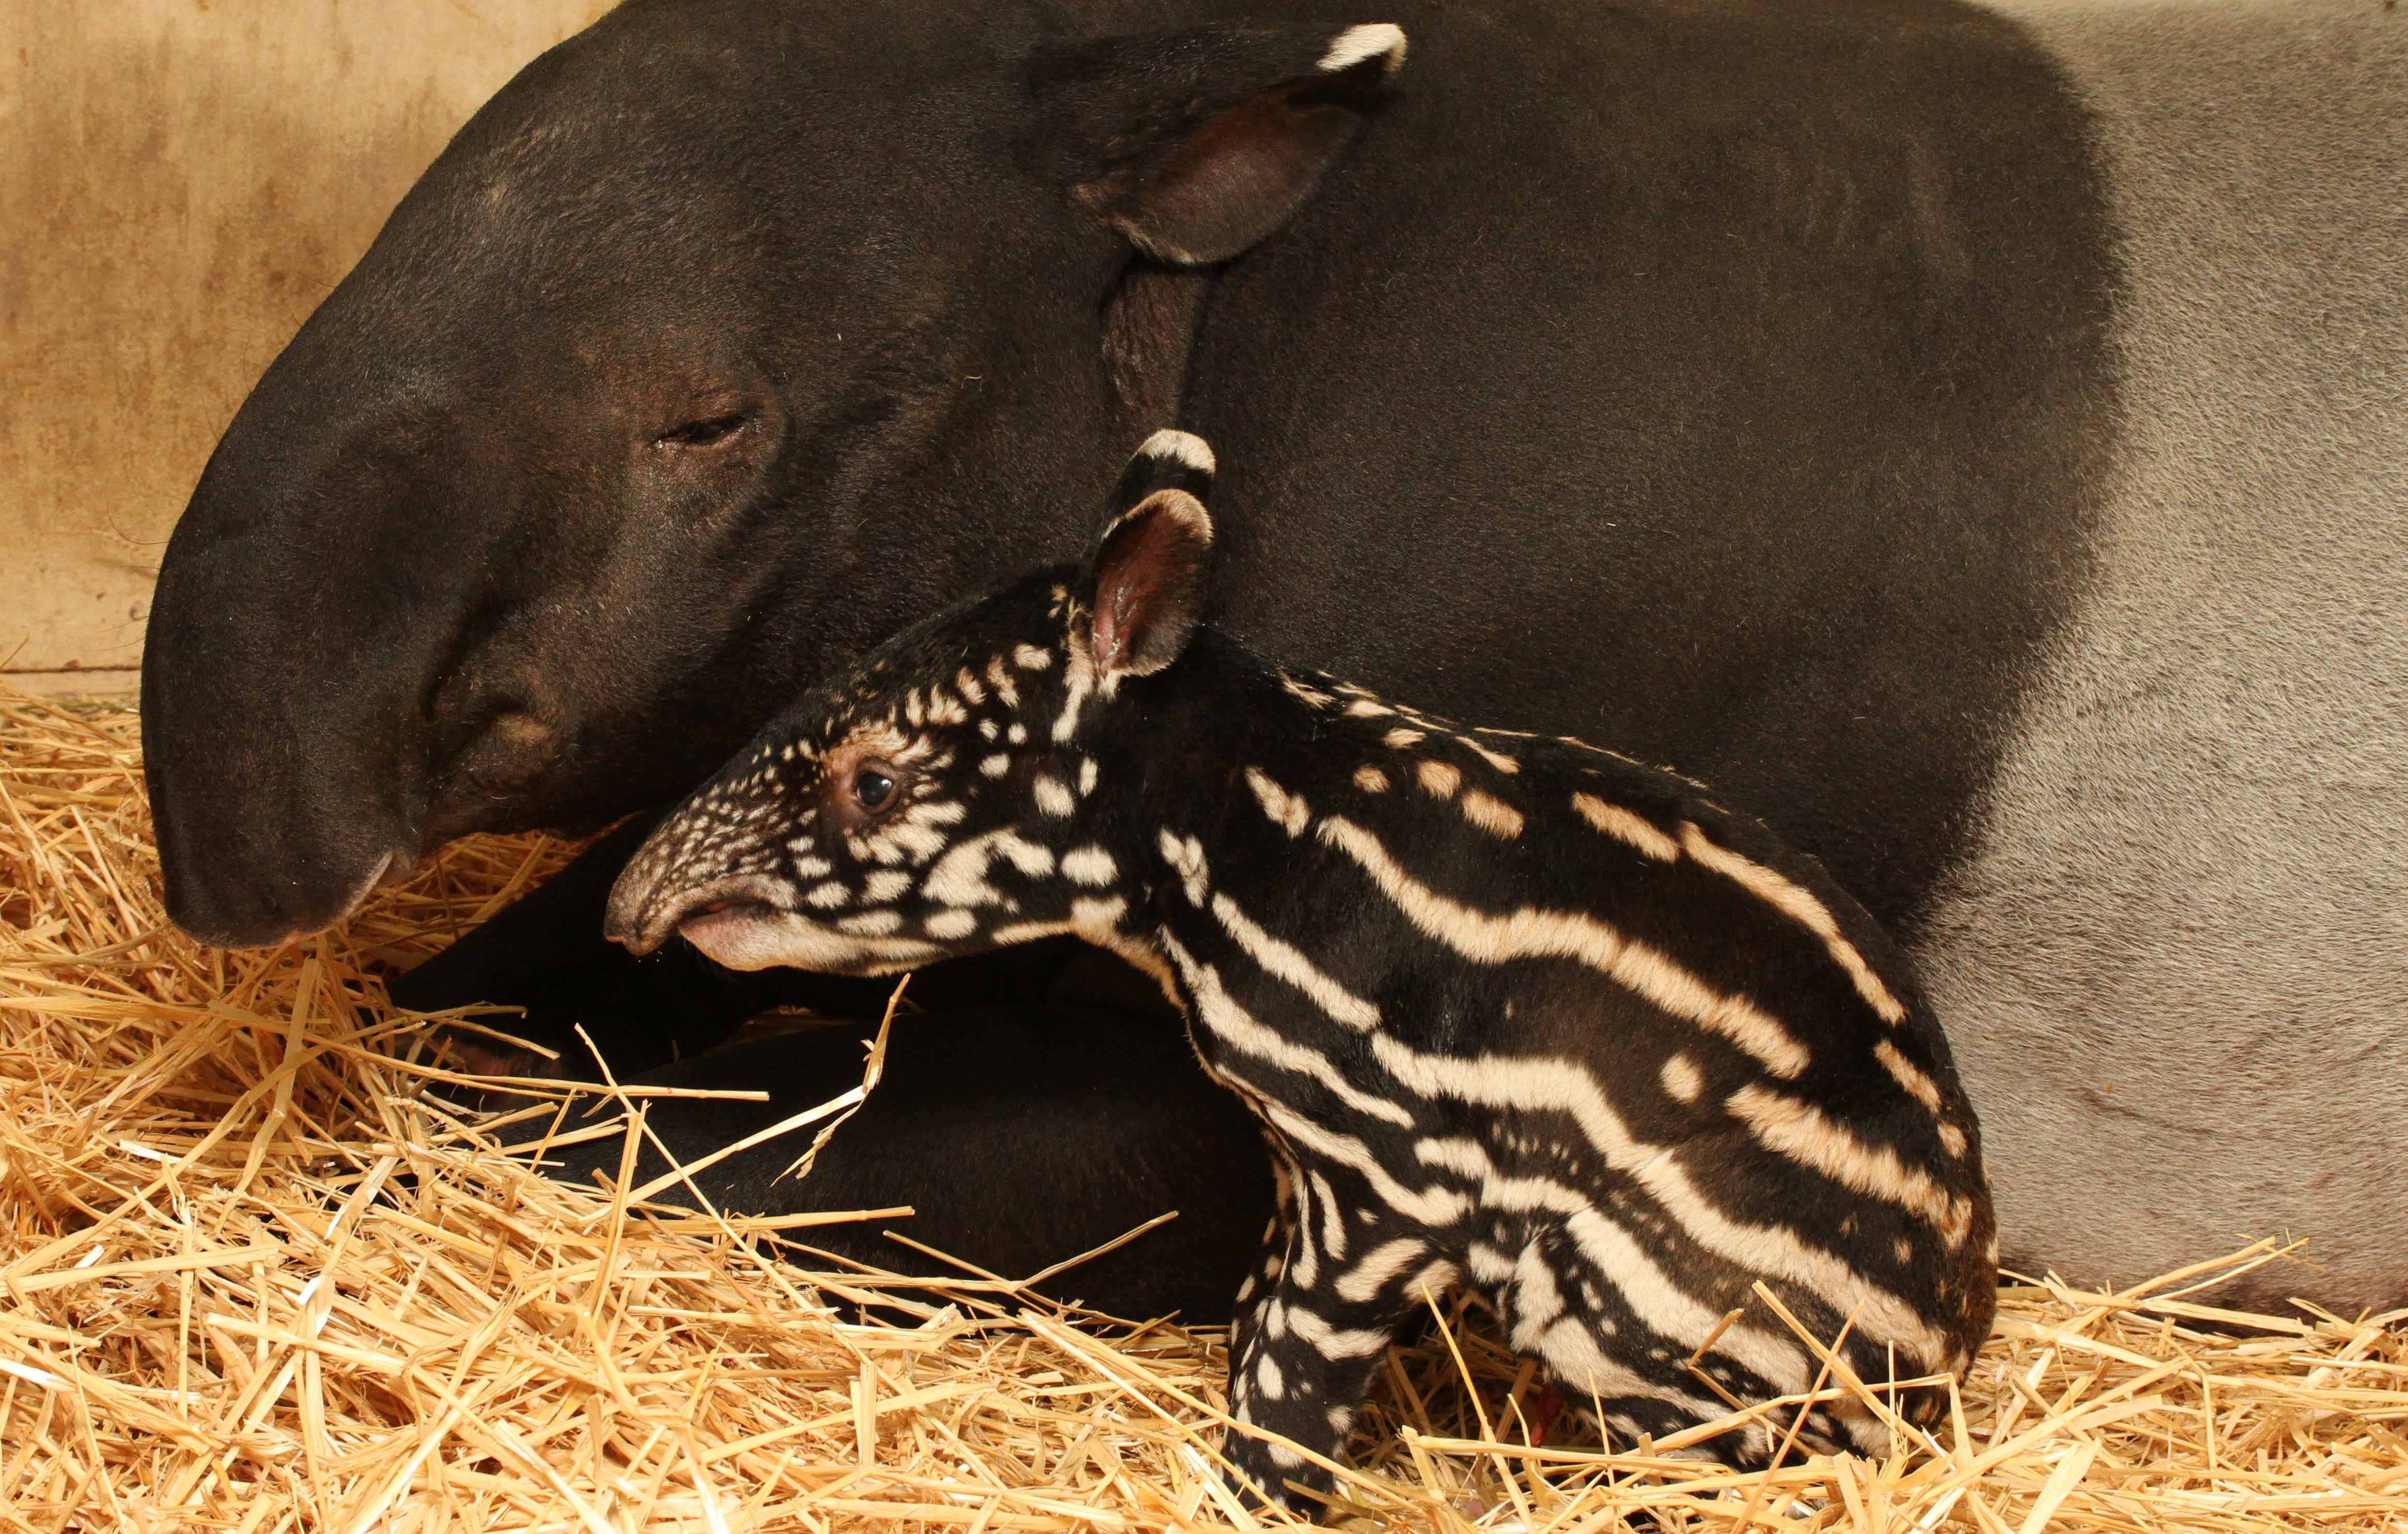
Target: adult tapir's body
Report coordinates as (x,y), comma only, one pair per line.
(1978,445)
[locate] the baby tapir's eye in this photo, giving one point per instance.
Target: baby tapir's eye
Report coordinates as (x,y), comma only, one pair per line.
(873,787)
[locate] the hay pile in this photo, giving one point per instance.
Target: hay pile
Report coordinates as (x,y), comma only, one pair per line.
(258,1277)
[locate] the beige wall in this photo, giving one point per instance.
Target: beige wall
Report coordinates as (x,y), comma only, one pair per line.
(180,182)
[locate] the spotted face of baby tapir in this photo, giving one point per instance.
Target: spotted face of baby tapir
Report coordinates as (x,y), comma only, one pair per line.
(942,798)
(1515,1013)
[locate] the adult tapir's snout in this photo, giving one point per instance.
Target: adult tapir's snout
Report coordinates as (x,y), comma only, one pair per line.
(281,735)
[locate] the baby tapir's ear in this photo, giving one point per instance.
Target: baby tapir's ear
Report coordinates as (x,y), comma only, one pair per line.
(1148,566)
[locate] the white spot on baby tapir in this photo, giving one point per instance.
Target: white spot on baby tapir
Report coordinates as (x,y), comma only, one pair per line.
(1287,810)
(1401,739)
(871,923)
(995,766)
(950,925)
(1018,734)
(1363,707)
(1682,1081)
(1439,779)
(886,884)
(808,865)
(967,685)
(1087,775)
(1626,827)
(1491,814)
(1305,693)
(828,896)
(1052,795)
(1371,780)
(1030,657)
(988,729)
(1001,679)
(1090,865)
(1268,1380)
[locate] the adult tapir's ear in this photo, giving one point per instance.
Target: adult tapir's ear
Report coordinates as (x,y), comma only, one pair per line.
(1146,572)
(1198,143)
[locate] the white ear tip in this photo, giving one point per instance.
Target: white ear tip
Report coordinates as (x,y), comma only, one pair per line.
(1372,40)
(1180,447)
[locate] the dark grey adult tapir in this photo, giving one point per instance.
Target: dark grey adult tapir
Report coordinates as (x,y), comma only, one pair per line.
(1977,440)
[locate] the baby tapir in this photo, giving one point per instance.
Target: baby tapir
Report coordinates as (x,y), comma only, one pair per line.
(1515,1013)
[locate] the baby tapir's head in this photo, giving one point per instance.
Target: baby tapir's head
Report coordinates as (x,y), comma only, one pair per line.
(943,796)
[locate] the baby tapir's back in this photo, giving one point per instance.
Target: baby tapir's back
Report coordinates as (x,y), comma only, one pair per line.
(1654,1053)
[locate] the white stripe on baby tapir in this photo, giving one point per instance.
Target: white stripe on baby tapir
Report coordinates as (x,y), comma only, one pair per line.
(1333,1218)
(1534,933)
(968,687)
(1924,1090)
(1547,1084)
(1363,1282)
(1808,1136)
(1629,1268)
(871,923)
(1240,1029)
(1794,901)
(1030,657)
(1079,680)
(1626,827)
(1401,739)
(1432,1206)
(1285,962)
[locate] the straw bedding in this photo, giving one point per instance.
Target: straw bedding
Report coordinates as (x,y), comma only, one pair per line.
(260,1275)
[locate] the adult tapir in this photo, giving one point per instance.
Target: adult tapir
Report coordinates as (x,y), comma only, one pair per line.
(1976,440)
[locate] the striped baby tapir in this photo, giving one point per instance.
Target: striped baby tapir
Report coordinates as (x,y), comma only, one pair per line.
(1515,1013)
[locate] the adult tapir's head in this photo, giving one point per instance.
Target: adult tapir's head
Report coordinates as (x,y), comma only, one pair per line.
(727,337)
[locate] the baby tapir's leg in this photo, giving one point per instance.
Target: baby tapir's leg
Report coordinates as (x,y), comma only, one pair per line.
(1330,1294)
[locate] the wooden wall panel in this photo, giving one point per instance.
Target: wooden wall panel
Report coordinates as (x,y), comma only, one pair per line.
(180,182)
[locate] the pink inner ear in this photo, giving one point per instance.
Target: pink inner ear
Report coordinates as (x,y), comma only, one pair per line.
(1149,584)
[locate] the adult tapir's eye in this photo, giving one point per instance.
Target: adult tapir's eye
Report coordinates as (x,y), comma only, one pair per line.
(872,788)
(706,432)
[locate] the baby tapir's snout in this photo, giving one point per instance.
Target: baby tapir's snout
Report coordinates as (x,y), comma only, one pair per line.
(710,872)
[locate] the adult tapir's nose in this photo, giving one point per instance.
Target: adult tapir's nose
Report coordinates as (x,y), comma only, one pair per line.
(269,757)
(298,618)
